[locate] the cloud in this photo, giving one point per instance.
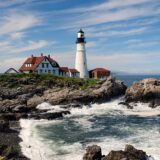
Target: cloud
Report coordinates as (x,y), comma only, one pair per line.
(32,46)
(126,62)
(17,35)
(11,3)
(16,22)
(113,16)
(109,33)
(11,62)
(142,44)
(91,44)
(111,11)
(10,48)
(109,5)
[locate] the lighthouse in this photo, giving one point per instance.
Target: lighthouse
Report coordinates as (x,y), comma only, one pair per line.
(81,60)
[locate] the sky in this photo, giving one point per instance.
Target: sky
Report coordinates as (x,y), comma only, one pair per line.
(121,35)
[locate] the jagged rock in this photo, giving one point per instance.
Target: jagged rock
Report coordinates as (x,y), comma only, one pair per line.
(4,126)
(93,153)
(21,109)
(147,90)
(12,116)
(49,116)
(126,104)
(25,98)
(130,153)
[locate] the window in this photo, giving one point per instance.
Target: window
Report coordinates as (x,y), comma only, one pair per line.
(47,65)
(54,63)
(42,65)
(41,70)
(49,71)
(53,71)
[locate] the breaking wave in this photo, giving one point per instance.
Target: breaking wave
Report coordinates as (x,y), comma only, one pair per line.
(108,125)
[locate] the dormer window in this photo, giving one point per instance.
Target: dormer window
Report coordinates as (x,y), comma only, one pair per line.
(54,63)
(28,65)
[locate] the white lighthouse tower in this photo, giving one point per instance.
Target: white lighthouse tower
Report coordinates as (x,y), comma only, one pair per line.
(81,60)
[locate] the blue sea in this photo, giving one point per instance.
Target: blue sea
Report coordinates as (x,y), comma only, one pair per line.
(108,125)
(129,79)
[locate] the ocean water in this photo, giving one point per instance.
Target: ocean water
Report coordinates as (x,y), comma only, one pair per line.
(108,125)
(129,79)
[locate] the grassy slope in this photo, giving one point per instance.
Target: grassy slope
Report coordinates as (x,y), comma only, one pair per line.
(17,80)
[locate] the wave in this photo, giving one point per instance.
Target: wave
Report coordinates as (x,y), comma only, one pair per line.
(108,125)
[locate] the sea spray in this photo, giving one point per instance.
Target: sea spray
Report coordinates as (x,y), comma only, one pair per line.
(108,125)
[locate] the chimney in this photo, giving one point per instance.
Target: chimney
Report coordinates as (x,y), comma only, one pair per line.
(32,56)
(49,56)
(41,54)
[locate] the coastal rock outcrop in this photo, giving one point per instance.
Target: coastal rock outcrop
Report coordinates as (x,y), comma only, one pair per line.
(24,94)
(129,153)
(147,91)
(93,153)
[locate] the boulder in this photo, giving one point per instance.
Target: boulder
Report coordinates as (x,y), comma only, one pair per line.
(129,153)
(147,90)
(49,116)
(126,104)
(4,126)
(12,116)
(21,109)
(93,153)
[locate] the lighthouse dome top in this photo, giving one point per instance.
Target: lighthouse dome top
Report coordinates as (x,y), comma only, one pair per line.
(80,31)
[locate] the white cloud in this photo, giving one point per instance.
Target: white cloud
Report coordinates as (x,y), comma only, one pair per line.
(9,3)
(128,32)
(143,44)
(109,33)
(32,46)
(127,62)
(9,48)
(17,35)
(11,62)
(15,22)
(91,44)
(113,16)
(111,4)
(112,11)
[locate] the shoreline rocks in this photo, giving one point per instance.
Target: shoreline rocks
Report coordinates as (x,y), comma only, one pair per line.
(20,96)
(129,153)
(25,99)
(147,91)
(9,142)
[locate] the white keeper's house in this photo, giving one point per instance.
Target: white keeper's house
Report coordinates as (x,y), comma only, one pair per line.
(45,64)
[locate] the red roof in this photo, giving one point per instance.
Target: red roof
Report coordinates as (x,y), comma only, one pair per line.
(73,70)
(35,61)
(99,70)
(64,69)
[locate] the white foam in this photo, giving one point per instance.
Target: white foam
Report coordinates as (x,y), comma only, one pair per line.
(32,145)
(49,107)
(36,147)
